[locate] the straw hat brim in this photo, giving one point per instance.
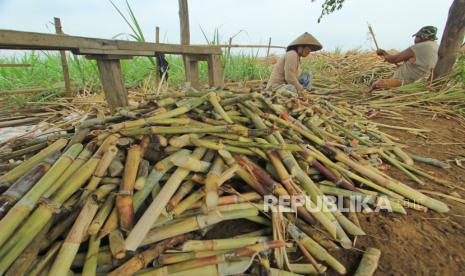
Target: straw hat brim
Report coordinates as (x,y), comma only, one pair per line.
(308,40)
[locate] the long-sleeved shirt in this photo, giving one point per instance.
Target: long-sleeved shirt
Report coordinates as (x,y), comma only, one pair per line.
(286,71)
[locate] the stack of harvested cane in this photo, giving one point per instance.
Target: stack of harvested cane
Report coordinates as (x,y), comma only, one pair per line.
(138,191)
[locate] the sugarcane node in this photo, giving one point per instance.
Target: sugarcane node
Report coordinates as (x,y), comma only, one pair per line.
(54,207)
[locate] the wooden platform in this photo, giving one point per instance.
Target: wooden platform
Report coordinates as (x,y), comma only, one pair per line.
(108,53)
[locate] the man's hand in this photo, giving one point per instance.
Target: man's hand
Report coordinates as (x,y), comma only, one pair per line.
(381,52)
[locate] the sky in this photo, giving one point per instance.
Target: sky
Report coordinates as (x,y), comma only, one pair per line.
(252,21)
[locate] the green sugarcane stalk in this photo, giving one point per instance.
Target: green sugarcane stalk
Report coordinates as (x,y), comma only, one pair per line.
(397,187)
(152,213)
(102,167)
(220,244)
(25,205)
(124,199)
(149,121)
(307,269)
(182,192)
(24,261)
(429,161)
(237,129)
(372,199)
(45,260)
(44,212)
(191,164)
(426,175)
(323,159)
(158,171)
(102,214)
(144,258)
(173,258)
(369,262)
(266,146)
(213,98)
(186,107)
(73,240)
(22,152)
(215,146)
(82,158)
(315,249)
(194,223)
(239,99)
(400,167)
(241,252)
(236,267)
(90,265)
(18,189)
(349,133)
(116,241)
(13,175)
(212,183)
(187,203)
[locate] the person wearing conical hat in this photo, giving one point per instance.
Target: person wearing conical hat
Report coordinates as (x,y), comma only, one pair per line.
(416,61)
(286,75)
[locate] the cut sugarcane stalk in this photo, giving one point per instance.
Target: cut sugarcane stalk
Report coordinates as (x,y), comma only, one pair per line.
(18,189)
(90,265)
(124,200)
(116,241)
(152,213)
(369,262)
(70,246)
(25,205)
(13,175)
(221,244)
(142,259)
(195,223)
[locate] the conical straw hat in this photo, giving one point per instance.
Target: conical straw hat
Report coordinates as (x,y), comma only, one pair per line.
(307,40)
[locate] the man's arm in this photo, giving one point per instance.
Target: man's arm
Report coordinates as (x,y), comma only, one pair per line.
(396,58)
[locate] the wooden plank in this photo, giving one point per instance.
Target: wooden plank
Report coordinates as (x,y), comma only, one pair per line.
(112,82)
(214,71)
(109,57)
(194,73)
(15,65)
(251,46)
(22,91)
(64,61)
(185,35)
(198,57)
(184,22)
(89,51)
(157,72)
(32,41)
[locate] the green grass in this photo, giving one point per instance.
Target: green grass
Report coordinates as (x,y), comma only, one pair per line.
(46,73)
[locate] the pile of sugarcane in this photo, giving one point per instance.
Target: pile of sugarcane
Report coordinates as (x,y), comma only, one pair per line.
(350,74)
(139,191)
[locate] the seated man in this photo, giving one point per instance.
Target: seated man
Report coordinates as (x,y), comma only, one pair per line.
(286,75)
(418,60)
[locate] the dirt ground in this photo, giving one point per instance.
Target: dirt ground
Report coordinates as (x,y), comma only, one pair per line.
(418,243)
(421,243)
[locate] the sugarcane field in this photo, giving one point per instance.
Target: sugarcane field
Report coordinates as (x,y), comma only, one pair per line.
(263,137)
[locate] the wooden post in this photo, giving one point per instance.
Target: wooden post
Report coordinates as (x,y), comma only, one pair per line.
(214,71)
(268,49)
(64,61)
(191,67)
(157,72)
(228,55)
(112,82)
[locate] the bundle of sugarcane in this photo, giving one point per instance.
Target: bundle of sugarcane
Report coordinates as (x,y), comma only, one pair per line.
(141,190)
